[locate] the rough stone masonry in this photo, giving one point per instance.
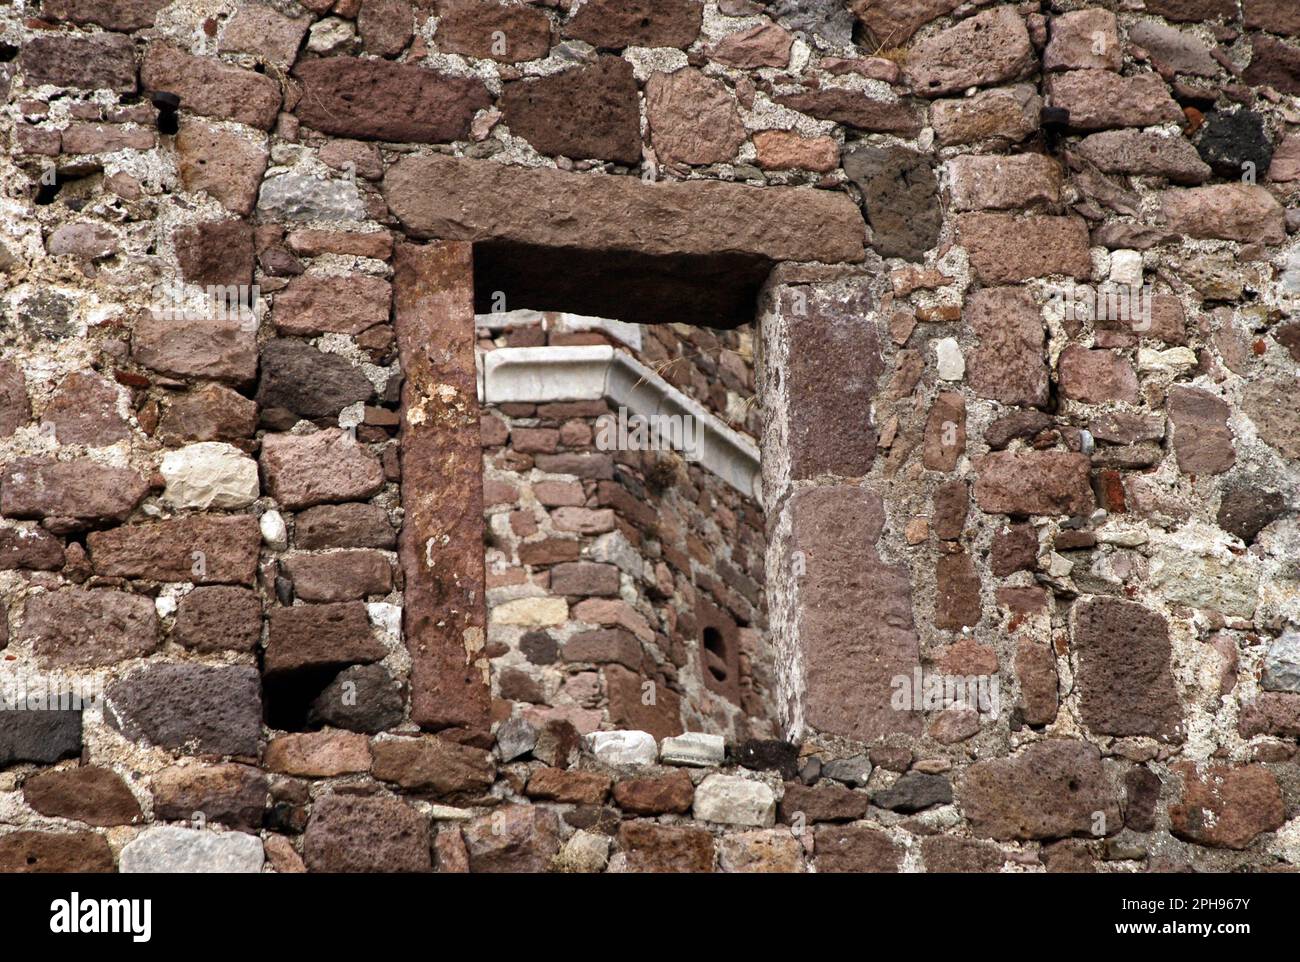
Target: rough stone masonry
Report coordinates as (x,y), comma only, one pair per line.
(1006,291)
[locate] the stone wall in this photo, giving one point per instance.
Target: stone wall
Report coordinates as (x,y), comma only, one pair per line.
(260,530)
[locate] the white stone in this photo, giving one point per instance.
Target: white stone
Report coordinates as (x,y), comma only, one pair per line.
(1126,267)
(618,749)
(274,532)
(1282,664)
(732,800)
(693,748)
(1175,360)
(304,197)
(167,848)
(1122,537)
(330,34)
(952,366)
(613,548)
(584,852)
(1195,568)
(532,612)
(210,474)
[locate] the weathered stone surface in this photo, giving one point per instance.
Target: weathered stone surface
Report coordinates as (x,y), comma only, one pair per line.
(985,182)
(331,304)
(513,838)
(1006,249)
(510,34)
(671,794)
(1273,713)
(892,22)
(853,109)
(1099,99)
(1171,49)
(216,710)
(1225,806)
(855,628)
(84,411)
(615,24)
(1051,789)
(1141,795)
(204,549)
(651,847)
(623,748)
(441,547)
(344,526)
(305,470)
(78,492)
(41,735)
(385,26)
(1193,10)
(762,851)
(1008,364)
(945,432)
(1123,670)
(317,635)
(951,503)
(433,765)
(1084,39)
(96,796)
(1282,664)
(568,787)
(208,87)
(956,593)
(1240,212)
(900,195)
(125,15)
(831,379)
(304,197)
(1147,154)
(856,848)
(1275,16)
(1035,666)
(824,803)
(307,382)
(349,833)
(1005,114)
(1247,509)
(216,253)
(33,852)
(1094,377)
(14,409)
(91,62)
(76,627)
(627,707)
(84,240)
(693,748)
(989,48)
(733,800)
(339,576)
(766,45)
(233,795)
(322,754)
(377,100)
(225,350)
(785,150)
(363,698)
(1201,436)
(1273,63)
(588,112)
(209,412)
(259,30)
(1274,407)
(688,221)
(943,853)
(693,118)
(210,474)
(29,548)
(584,578)
(1033,482)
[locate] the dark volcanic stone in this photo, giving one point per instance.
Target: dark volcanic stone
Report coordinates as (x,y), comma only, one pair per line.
(1229,142)
(309,383)
(42,736)
(353,834)
(588,112)
(218,710)
(900,198)
(913,792)
(770,754)
(363,698)
(1247,509)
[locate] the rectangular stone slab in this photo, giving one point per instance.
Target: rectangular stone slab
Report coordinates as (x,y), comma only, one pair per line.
(441,544)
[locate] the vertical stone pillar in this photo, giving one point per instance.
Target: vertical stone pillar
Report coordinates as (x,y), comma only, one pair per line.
(441,547)
(840,615)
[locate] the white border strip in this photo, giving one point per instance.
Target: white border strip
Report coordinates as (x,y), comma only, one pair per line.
(536,375)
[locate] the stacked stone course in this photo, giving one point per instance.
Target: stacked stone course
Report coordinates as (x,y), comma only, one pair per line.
(256,531)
